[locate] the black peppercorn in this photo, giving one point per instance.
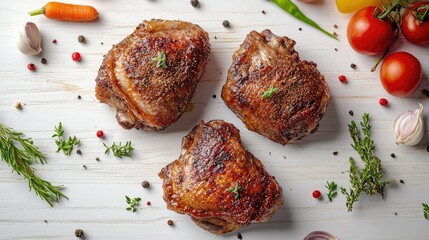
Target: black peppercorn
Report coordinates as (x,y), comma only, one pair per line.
(393,155)
(353,66)
(401,181)
(78,233)
(79,97)
(79,151)
(351,113)
(226,23)
(335,26)
(81,39)
(97,159)
(335,153)
(427,148)
(145,184)
(425,92)
(300,29)
(43,61)
(239,236)
(170,222)
(214,96)
(195,3)
(263,12)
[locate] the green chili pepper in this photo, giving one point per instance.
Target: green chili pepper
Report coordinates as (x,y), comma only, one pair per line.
(293,10)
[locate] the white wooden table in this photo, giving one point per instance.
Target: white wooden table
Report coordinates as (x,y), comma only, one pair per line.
(97,204)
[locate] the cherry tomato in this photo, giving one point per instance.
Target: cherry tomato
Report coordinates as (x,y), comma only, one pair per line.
(414,30)
(367,34)
(401,74)
(351,6)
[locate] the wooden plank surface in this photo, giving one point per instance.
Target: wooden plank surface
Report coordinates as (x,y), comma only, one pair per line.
(97,203)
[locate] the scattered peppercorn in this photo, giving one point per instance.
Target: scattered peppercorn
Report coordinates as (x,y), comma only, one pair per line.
(214,96)
(79,97)
(97,159)
(226,23)
(353,66)
(43,61)
(335,153)
(336,49)
(46,221)
(351,113)
(316,194)
(427,148)
(425,92)
(401,181)
(170,222)
(334,33)
(263,12)
(85,167)
(148,203)
(342,78)
(81,39)
(101,43)
(18,105)
(195,3)
(100,133)
(396,213)
(239,236)
(78,151)
(31,67)
(54,41)
(145,184)
(383,101)
(335,26)
(78,233)
(393,155)
(300,29)
(76,57)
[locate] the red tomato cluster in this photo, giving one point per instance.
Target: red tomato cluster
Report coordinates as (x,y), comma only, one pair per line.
(370,32)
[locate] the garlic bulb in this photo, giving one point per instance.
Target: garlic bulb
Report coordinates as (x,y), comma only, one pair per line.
(409,127)
(29,39)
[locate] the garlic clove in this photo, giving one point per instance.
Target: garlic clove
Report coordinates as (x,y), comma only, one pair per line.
(29,40)
(409,127)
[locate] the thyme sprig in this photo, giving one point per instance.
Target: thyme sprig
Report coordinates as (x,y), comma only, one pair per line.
(120,150)
(65,146)
(20,153)
(269,93)
(161,60)
(235,190)
(425,210)
(369,179)
(332,190)
(132,203)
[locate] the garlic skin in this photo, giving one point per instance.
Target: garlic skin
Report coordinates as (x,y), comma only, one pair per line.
(29,39)
(409,127)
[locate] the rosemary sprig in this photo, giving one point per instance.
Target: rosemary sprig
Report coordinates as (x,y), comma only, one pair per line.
(161,60)
(65,146)
(20,153)
(235,190)
(119,150)
(269,93)
(369,179)
(132,203)
(425,210)
(332,190)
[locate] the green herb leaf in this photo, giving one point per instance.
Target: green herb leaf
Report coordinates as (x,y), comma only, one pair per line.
(291,8)
(65,146)
(161,60)
(369,179)
(119,150)
(132,203)
(332,190)
(235,190)
(20,153)
(425,210)
(269,93)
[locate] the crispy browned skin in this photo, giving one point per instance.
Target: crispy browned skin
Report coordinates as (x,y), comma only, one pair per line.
(213,160)
(147,97)
(265,60)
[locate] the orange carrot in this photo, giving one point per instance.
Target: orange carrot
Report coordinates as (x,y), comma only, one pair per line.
(67,12)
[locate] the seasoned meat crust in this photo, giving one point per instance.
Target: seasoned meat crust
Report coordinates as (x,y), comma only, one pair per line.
(212,162)
(144,95)
(292,112)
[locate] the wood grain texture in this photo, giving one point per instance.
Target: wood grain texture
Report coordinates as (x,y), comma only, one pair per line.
(97,203)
